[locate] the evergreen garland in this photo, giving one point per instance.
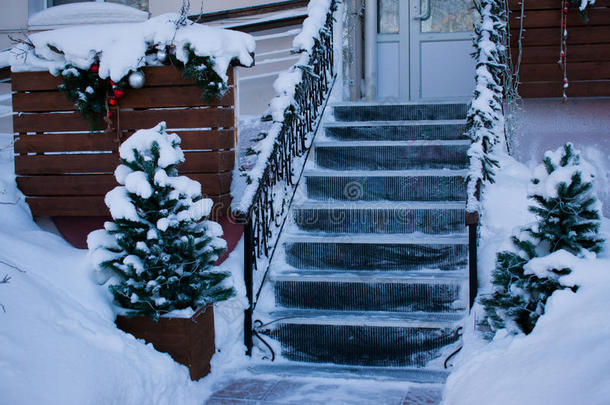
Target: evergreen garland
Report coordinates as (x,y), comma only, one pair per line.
(201,70)
(87,91)
(568,219)
(160,243)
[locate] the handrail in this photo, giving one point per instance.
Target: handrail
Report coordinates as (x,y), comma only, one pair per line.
(302,92)
(485,120)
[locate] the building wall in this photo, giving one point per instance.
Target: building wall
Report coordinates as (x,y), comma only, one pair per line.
(13,19)
(166,6)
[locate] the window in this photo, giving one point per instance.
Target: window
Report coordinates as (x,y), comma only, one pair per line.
(140,4)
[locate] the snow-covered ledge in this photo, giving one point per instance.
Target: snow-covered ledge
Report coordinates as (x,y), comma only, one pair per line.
(85,13)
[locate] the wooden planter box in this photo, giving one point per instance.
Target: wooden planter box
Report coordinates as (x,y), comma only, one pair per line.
(190,341)
(64,170)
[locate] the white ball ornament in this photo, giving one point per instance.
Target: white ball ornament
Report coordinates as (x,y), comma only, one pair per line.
(161,55)
(136,80)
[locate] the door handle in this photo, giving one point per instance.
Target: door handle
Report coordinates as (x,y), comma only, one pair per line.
(427,10)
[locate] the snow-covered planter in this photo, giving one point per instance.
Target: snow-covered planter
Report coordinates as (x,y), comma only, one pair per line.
(188,339)
(63,169)
(159,250)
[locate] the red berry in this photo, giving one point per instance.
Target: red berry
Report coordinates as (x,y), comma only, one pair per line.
(118,93)
(109,114)
(94,68)
(112,101)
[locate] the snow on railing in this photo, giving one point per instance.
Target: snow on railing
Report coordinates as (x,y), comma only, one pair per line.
(485,124)
(485,121)
(302,92)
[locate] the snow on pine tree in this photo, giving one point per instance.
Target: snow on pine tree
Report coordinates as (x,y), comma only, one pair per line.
(569,216)
(160,243)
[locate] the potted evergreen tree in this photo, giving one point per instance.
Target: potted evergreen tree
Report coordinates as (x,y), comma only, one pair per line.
(160,250)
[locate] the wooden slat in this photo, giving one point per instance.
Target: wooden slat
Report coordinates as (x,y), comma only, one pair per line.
(184,118)
(550,36)
(576,71)
(100,184)
(552,18)
(554,89)
(51,122)
(160,97)
(205,139)
(155,76)
(65,142)
(196,162)
(130,119)
(34,81)
(94,205)
(148,97)
(548,4)
(550,54)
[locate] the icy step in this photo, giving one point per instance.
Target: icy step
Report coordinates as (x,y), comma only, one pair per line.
(380,217)
(377,251)
(392,155)
(395,130)
(399,112)
(374,339)
(403,374)
(371,291)
(392,185)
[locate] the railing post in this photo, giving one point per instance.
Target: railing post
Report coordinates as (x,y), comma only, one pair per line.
(248,280)
(472,221)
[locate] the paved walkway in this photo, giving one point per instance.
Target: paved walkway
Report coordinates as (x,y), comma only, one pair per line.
(254,391)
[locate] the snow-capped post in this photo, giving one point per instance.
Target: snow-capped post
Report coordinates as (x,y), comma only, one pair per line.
(160,249)
(568,222)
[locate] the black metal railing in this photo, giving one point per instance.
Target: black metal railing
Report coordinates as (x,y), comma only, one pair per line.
(270,191)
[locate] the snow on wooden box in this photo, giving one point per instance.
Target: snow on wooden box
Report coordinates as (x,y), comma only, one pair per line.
(190,341)
(65,170)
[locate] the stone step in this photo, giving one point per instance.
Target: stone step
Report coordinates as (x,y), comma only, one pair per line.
(376,251)
(392,185)
(399,112)
(311,370)
(374,339)
(392,155)
(380,216)
(395,130)
(440,291)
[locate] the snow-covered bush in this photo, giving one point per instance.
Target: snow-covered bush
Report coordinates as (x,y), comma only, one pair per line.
(160,244)
(569,216)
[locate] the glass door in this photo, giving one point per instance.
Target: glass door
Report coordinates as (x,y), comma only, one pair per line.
(423,50)
(441,67)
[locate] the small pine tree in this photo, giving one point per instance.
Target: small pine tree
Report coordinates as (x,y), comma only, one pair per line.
(160,244)
(568,215)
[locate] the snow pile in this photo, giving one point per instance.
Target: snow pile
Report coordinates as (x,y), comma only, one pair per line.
(285,87)
(566,358)
(58,340)
(87,13)
(122,48)
(564,361)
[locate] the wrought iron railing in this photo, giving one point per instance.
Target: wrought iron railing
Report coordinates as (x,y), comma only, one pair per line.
(273,180)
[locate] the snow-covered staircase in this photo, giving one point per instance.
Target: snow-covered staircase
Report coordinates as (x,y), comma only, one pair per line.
(374,265)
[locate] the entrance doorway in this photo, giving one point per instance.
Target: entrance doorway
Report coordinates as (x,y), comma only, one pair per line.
(423,50)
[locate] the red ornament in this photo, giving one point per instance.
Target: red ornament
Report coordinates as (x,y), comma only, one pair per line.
(94,68)
(112,101)
(109,114)
(118,93)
